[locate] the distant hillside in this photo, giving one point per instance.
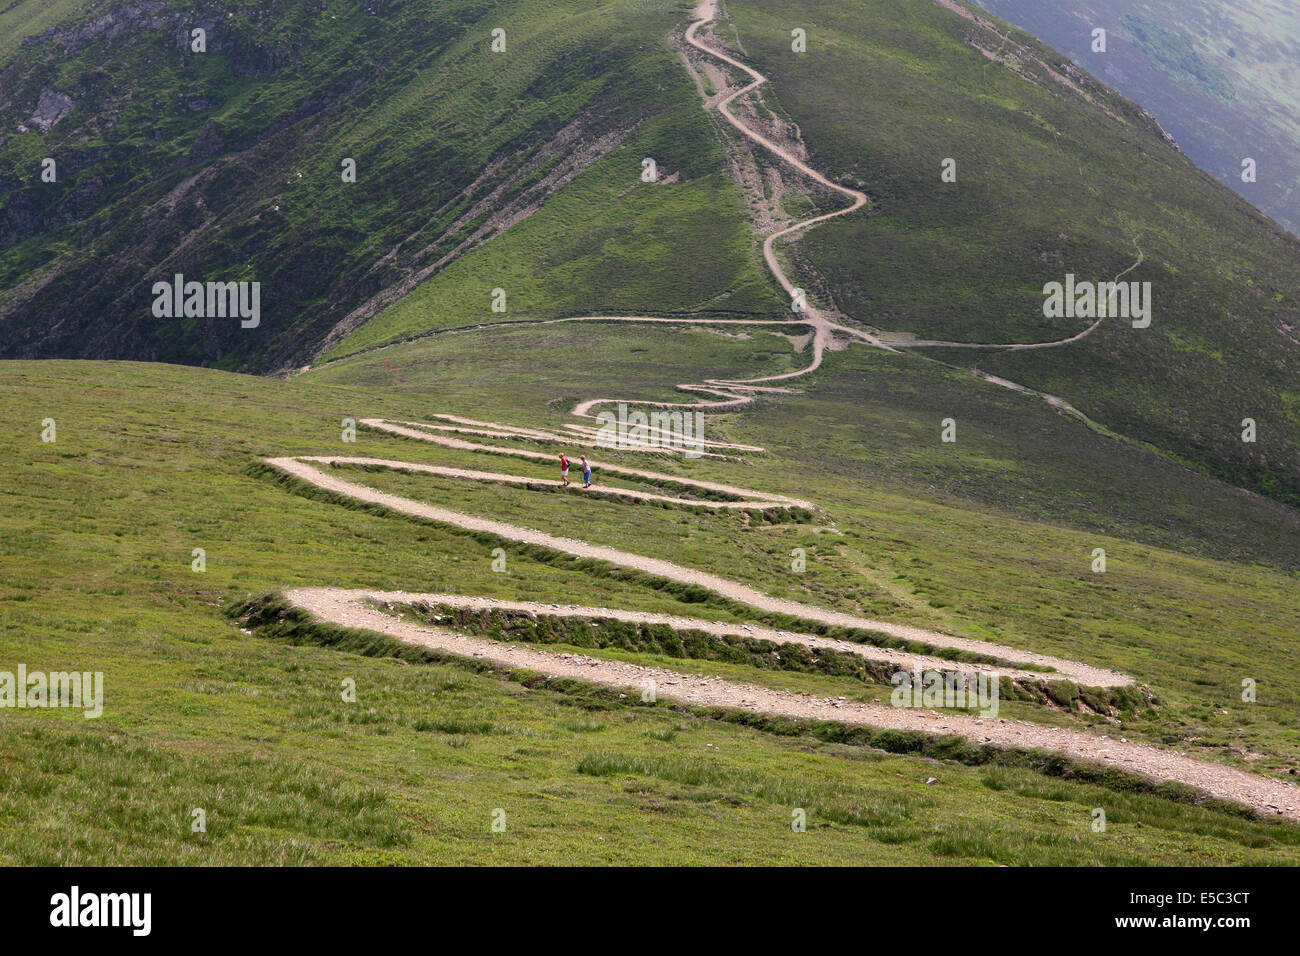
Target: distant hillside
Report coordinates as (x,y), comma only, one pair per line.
(1056,174)
(1223,78)
(162,525)
(226,165)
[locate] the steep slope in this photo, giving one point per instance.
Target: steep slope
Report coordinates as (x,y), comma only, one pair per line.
(606,243)
(1055,175)
(1223,78)
(22,19)
(153,461)
(990,538)
(227,165)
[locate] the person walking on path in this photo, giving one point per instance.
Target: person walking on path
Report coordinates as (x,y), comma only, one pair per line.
(586,472)
(564,471)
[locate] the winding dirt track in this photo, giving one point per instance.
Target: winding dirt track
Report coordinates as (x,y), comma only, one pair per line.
(733,393)
(357,608)
(306,468)
(353,608)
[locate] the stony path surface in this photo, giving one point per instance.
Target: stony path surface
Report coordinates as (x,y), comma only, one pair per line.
(306,470)
(900,660)
(353,608)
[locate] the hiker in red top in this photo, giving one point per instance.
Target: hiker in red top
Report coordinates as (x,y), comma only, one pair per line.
(564,471)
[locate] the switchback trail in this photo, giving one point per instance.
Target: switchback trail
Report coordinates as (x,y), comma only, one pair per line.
(357,609)
(734,393)
(365,609)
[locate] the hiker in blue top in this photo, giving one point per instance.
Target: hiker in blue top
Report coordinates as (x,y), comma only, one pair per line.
(586,472)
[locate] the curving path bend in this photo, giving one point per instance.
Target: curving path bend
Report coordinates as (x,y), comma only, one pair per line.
(355,609)
(362,608)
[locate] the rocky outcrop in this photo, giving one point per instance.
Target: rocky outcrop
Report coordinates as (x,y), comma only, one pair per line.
(50,108)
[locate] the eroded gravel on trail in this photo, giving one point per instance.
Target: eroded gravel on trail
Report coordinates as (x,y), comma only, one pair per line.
(351,608)
(307,471)
(347,608)
(901,660)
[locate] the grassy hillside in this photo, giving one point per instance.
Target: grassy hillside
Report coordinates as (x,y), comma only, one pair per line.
(219,698)
(226,165)
(27,18)
(1047,183)
(990,537)
(1222,78)
(239,179)
(153,461)
(607,244)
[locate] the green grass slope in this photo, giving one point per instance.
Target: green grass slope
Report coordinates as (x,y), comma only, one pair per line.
(1047,183)
(26,18)
(226,165)
(1222,78)
(153,461)
(991,537)
(607,244)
